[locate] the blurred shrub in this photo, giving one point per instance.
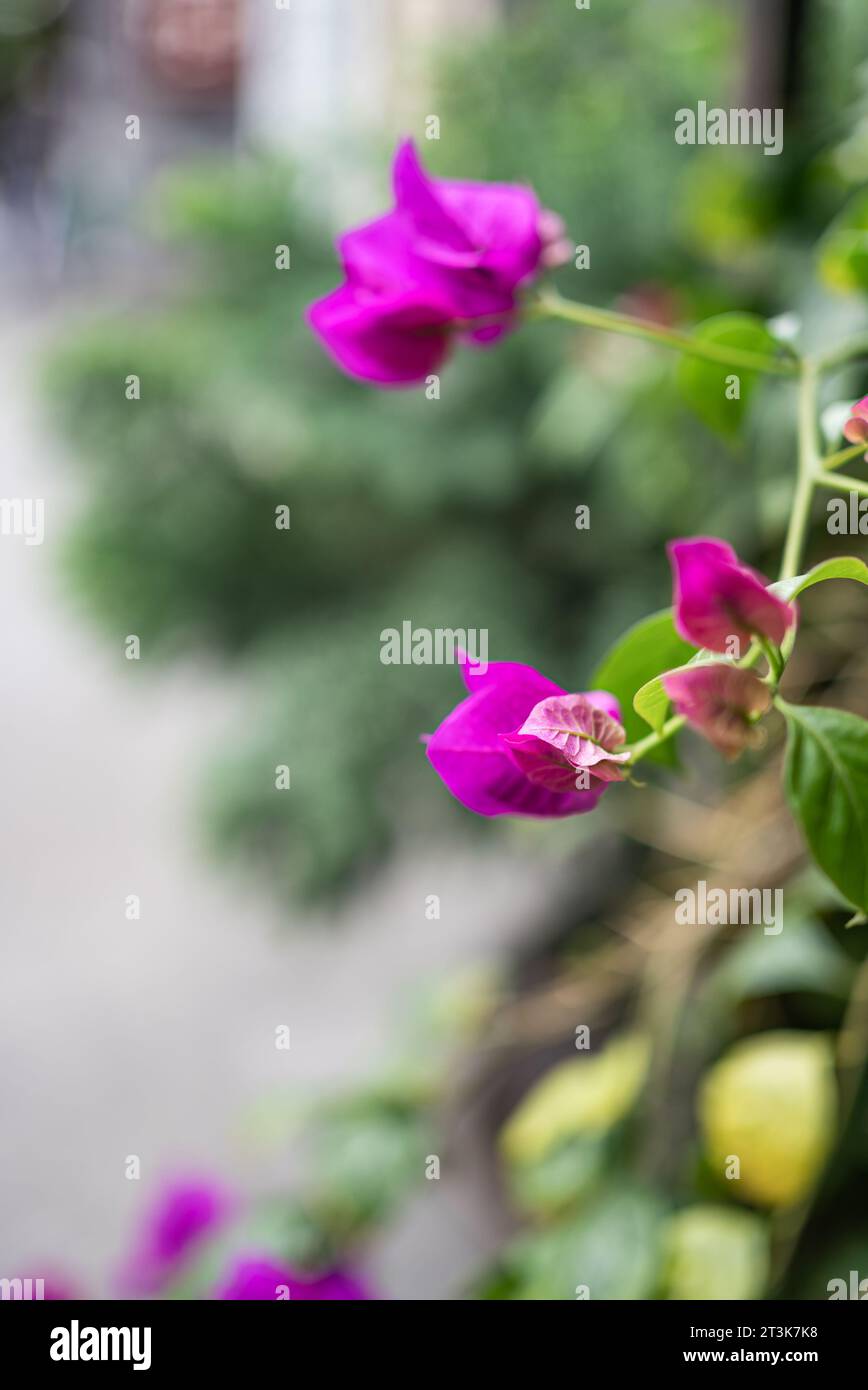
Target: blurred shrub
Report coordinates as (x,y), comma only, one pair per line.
(611,1249)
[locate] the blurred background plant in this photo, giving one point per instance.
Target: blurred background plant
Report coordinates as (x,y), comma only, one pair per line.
(606,1168)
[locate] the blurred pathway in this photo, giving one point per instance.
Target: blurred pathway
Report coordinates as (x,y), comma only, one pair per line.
(154,1037)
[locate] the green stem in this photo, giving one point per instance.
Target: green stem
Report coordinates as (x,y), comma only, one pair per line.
(844,456)
(550,304)
(841,482)
(645,745)
(775,660)
(808,469)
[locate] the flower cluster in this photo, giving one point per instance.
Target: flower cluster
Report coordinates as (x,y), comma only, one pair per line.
(722,605)
(520,745)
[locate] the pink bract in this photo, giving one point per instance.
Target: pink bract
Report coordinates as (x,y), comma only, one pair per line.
(856,426)
(721,701)
(717,598)
(519,744)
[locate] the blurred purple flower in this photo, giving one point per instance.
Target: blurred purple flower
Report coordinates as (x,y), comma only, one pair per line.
(721,701)
(520,745)
(717,598)
(58,1289)
(261,1277)
(449,258)
(184,1215)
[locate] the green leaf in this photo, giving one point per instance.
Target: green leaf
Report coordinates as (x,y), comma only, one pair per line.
(563,1175)
(826,781)
(704,385)
(366,1160)
(847,567)
(652,702)
(843,251)
(645,650)
(612,1248)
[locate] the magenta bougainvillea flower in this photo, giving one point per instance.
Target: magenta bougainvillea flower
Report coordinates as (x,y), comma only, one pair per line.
(519,745)
(717,598)
(721,701)
(263,1278)
(856,427)
(185,1213)
(449,258)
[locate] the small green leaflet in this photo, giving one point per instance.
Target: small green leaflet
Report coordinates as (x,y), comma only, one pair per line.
(652,702)
(847,567)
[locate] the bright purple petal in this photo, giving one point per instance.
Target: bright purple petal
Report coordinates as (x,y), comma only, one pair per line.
(390,339)
(378,256)
(437,234)
(469,226)
(717,598)
(469,753)
(508,675)
(504,220)
(491,784)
